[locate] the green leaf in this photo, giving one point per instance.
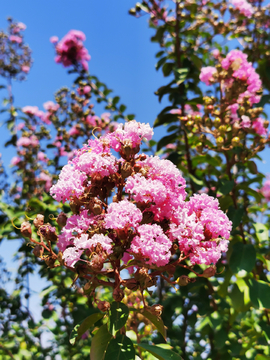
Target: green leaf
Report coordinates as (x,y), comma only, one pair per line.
(167,68)
(47,291)
(243,257)
(235,215)
(225,187)
(259,292)
(118,316)
(196,181)
(252,167)
(262,232)
(180,75)
(100,343)
(159,352)
(157,322)
(166,140)
(120,348)
(262,357)
(81,328)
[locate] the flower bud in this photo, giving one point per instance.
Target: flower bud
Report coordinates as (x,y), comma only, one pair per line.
(131,284)
(220,141)
(118,294)
(183,280)
(39,220)
(48,232)
(217,122)
(156,310)
(97,209)
(222,128)
(209,272)
(236,141)
(126,170)
(61,219)
(38,250)
(26,230)
(104,306)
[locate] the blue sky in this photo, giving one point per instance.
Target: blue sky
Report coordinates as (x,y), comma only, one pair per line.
(122,56)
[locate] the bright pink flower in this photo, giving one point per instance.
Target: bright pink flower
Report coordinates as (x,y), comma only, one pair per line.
(258,126)
(25,68)
(54,39)
(70,184)
(87,89)
(42,156)
(265,190)
(25,141)
(15,160)
(207,73)
(51,106)
(122,214)
(30,110)
(245,123)
(152,245)
(70,50)
(215,53)
(86,242)
(15,39)
(244,7)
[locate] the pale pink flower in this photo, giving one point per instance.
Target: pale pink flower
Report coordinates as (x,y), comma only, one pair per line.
(15,39)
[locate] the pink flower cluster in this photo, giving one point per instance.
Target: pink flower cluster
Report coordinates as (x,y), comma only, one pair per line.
(265,190)
(50,108)
(243,70)
(244,7)
(207,73)
(70,50)
(149,214)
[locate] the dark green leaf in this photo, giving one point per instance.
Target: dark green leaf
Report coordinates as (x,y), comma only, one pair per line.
(243,257)
(100,343)
(259,292)
(225,187)
(159,352)
(81,328)
(166,140)
(120,348)
(235,215)
(118,316)
(252,167)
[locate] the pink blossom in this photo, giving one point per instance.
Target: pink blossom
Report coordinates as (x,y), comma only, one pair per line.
(15,39)
(87,89)
(207,74)
(86,242)
(20,126)
(93,120)
(244,7)
(15,160)
(258,126)
(54,39)
(70,184)
(152,245)
(51,106)
(30,110)
(122,214)
(74,131)
(215,53)
(42,156)
(245,123)
(71,255)
(265,190)
(70,50)
(25,68)
(25,141)
(176,111)
(129,135)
